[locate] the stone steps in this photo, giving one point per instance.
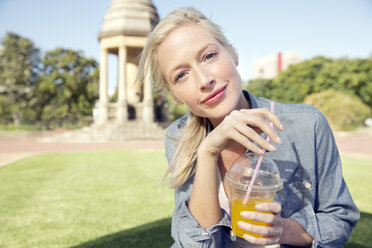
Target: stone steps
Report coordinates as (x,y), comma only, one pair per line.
(111,132)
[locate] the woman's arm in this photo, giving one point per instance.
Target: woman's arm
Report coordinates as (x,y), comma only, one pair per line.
(235,128)
(204,204)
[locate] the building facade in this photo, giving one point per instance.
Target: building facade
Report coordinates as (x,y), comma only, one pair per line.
(270,66)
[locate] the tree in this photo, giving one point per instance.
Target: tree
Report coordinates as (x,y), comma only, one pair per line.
(19,71)
(298,81)
(68,87)
(262,87)
(343,111)
(351,76)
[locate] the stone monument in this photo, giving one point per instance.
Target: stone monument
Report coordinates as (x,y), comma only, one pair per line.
(124,30)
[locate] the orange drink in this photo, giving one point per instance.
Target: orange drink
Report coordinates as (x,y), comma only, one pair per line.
(263,188)
(237,207)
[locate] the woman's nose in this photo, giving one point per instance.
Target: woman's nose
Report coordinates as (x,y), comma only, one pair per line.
(205,79)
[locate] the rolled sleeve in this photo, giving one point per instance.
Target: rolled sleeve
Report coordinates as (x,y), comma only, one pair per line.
(186,231)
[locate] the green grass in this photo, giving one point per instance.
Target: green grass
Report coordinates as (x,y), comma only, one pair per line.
(358,176)
(109,199)
(89,199)
(11,129)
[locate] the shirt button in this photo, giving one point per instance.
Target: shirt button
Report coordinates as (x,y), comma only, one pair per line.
(307,185)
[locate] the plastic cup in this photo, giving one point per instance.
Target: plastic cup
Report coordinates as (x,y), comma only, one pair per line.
(265,186)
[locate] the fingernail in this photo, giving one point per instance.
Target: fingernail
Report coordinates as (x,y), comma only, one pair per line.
(278,140)
(261,151)
(259,207)
(272,148)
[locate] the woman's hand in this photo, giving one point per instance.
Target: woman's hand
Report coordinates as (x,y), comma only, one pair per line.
(272,234)
(280,230)
(243,127)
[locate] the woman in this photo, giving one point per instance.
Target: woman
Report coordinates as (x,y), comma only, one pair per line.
(188,56)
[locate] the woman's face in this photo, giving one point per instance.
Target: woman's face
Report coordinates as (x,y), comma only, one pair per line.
(200,72)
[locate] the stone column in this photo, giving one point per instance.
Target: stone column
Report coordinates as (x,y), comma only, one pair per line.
(103,94)
(148,103)
(122,114)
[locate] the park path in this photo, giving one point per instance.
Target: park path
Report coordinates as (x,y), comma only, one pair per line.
(16,147)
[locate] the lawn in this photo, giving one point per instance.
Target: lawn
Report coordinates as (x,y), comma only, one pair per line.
(89,199)
(109,199)
(357,174)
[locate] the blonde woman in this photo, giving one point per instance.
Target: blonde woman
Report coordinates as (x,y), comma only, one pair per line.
(189,56)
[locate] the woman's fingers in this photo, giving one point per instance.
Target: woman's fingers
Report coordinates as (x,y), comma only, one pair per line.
(272,233)
(268,218)
(241,126)
(273,207)
(245,141)
(248,121)
(262,241)
(264,112)
(256,118)
(254,136)
(266,231)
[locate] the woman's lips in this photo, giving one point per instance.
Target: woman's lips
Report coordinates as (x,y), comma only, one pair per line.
(215,96)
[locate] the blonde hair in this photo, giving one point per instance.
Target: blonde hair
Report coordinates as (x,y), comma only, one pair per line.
(182,164)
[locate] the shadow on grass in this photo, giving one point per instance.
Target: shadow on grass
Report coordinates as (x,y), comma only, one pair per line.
(361,237)
(156,234)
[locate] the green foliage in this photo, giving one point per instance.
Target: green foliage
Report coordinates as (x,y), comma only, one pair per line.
(353,76)
(86,199)
(19,69)
(262,87)
(298,81)
(344,111)
(63,88)
(68,87)
(348,75)
(175,110)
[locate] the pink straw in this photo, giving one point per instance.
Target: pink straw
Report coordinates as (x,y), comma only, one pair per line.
(258,163)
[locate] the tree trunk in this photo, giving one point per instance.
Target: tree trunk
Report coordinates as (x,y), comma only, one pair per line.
(17,118)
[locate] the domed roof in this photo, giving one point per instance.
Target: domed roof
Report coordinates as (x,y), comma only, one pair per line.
(129,17)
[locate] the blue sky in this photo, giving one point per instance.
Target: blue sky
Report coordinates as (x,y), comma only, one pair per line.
(333,28)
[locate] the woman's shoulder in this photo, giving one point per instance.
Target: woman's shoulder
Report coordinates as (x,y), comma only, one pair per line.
(282,108)
(297,116)
(294,111)
(288,107)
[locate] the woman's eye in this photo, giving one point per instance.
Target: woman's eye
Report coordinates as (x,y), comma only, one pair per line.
(180,76)
(210,56)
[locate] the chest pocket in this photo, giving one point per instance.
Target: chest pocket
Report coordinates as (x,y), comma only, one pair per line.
(296,195)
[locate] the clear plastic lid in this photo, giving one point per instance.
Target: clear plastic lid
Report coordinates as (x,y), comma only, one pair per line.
(242,169)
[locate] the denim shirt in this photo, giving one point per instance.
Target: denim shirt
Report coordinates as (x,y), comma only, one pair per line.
(314,192)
